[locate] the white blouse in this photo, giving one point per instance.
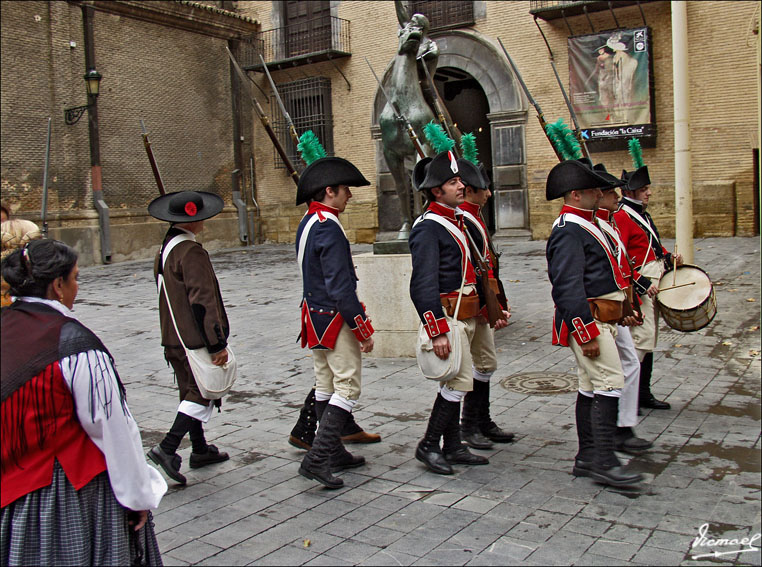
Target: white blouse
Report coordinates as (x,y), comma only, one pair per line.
(92,381)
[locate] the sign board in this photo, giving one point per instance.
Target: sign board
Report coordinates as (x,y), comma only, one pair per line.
(610,86)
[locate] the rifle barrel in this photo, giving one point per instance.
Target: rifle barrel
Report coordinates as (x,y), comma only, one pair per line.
(263,118)
(291,128)
(152,160)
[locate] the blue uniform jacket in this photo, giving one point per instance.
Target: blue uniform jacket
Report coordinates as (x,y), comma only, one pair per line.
(437,269)
(579,269)
(329,283)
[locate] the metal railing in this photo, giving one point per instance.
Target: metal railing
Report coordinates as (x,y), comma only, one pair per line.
(326,35)
(445,14)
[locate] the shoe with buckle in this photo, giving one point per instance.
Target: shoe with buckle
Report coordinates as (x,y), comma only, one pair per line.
(212,455)
(169,463)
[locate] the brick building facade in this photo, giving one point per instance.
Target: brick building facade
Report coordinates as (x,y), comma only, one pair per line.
(167,65)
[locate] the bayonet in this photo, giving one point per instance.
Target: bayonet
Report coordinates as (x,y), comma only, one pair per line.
(291,127)
(577,131)
(400,117)
(45,185)
(532,101)
(151,159)
(245,84)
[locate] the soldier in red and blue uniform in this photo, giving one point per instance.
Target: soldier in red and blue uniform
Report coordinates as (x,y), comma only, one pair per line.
(334,323)
(441,266)
(477,428)
(641,238)
(588,293)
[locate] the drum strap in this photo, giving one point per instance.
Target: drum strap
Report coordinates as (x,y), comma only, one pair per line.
(646,226)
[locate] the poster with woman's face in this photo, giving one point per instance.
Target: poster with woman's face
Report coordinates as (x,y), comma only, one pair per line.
(609,81)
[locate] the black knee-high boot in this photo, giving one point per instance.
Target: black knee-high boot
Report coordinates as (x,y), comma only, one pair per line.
(606,467)
(489,428)
(303,433)
(470,421)
(340,458)
(428,450)
(645,397)
(583,461)
(316,464)
(453,448)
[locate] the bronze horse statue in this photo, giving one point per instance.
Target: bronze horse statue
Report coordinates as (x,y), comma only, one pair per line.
(405,91)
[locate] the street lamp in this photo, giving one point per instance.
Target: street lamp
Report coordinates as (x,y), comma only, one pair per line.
(92,81)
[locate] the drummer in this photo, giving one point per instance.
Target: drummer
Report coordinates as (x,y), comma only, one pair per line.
(641,240)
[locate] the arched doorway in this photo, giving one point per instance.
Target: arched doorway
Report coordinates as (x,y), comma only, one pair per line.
(478,71)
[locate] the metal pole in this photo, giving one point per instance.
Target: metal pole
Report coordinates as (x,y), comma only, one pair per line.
(95,147)
(683,181)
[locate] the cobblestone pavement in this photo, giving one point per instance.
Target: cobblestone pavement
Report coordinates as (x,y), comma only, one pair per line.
(524,507)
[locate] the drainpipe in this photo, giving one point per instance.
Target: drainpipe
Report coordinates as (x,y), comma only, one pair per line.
(236,176)
(683,181)
(95,148)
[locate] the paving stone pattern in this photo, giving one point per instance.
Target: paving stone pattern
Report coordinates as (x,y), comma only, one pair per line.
(525,507)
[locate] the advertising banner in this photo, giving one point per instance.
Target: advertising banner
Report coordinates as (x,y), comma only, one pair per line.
(609,83)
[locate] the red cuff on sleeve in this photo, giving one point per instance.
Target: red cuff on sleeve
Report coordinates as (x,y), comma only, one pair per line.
(434,326)
(584,333)
(364,329)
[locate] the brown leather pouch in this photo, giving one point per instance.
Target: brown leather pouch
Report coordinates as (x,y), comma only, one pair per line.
(606,310)
(469,306)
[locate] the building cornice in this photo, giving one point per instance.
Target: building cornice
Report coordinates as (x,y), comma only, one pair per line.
(181,14)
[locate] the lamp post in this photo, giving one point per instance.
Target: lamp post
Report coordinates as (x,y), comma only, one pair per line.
(92,81)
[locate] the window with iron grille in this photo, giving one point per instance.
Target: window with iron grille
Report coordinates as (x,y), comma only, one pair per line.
(308,102)
(444,14)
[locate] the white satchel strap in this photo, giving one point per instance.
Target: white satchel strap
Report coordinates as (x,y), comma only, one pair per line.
(160,280)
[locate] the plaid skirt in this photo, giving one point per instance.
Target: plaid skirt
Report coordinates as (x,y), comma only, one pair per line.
(58,525)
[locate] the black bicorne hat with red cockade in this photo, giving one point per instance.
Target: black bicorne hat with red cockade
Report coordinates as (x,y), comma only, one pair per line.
(185,206)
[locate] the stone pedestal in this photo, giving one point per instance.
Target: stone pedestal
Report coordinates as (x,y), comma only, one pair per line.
(384,287)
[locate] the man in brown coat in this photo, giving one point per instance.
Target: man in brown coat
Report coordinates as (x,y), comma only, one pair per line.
(194,294)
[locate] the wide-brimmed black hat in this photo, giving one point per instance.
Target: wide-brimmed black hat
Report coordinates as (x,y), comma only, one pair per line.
(327,172)
(442,168)
(600,169)
(637,179)
(572,175)
(419,172)
(185,206)
(471,175)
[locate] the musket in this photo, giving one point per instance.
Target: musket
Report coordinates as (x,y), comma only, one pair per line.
(494,309)
(577,131)
(439,107)
(532,101)
(263,118)
(45,186)
(291,127)
(154,167)
(399,115)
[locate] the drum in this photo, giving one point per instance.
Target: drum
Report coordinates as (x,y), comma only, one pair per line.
(687,300)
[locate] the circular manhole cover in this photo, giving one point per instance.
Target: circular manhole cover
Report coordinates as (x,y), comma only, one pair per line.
(540,383)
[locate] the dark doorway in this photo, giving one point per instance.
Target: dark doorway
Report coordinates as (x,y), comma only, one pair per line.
(468,106)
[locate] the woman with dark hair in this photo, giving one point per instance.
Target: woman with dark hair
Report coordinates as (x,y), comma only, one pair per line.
(76,487)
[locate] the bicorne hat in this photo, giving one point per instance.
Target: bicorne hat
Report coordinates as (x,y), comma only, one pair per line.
(327,172)
(600,169)
(471,174)
(442,168)
(185,206)
(637,179)
(419,172)
(572,175)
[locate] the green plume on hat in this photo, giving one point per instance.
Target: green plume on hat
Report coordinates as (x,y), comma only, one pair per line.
(438,139)
(563,139)
(310,147)
(468,148)
(636,152)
